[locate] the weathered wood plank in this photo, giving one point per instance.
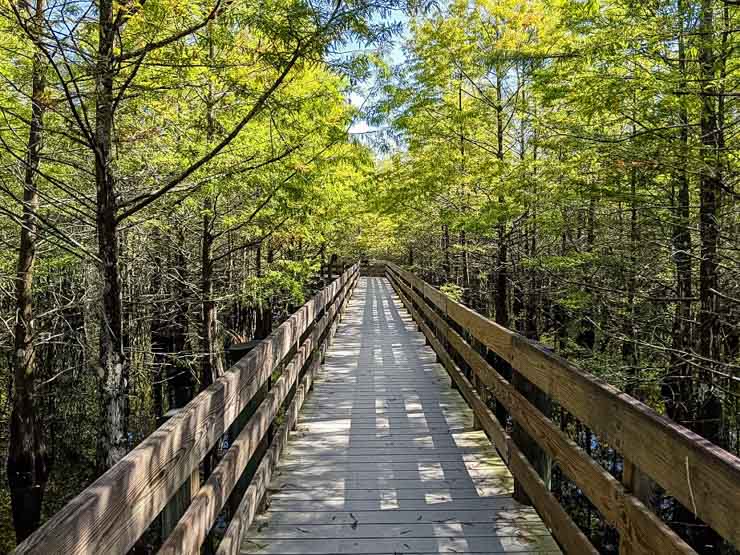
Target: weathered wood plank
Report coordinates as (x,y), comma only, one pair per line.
(413,530)
(503,516)
(699,474)
(193,527)
(376,466)
(565,530)
(371,546)
(111,514)
(336,469)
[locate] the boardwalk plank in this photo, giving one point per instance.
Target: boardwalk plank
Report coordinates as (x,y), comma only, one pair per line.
(384,459)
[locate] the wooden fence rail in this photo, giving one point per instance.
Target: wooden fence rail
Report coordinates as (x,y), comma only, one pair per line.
(113,513)
(700,475)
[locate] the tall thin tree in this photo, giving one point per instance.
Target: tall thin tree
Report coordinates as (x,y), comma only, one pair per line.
(28,465)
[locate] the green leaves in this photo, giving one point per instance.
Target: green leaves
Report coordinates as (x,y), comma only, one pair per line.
(281,285)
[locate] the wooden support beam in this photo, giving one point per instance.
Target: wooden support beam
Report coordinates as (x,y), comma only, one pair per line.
(192,529)
(564,529)
(114,511)
(179,503)
(537,457)
(699,474)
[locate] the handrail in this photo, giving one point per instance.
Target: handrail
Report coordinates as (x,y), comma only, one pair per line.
(702,476)
(114,511)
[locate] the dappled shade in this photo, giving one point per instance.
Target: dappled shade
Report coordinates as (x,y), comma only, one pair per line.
(384,459)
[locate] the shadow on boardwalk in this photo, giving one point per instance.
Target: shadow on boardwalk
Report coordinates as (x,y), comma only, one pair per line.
(384,459)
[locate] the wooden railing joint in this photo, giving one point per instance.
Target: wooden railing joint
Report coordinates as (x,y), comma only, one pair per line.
(111,514)
(651,444)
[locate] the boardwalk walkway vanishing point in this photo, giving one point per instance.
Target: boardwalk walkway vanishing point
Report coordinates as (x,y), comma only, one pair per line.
(385,460)
(382,456)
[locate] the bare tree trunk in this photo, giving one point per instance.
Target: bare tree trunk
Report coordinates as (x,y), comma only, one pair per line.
(465,270)
(587,333)
(113,366)
(629,347)
(27,463)
(464,261)
(158,336)
(446,248)
(710,185)
(212,366)
(677,386)
(181,380)
(169,329)
(531,328)
(501,299)
(263,325)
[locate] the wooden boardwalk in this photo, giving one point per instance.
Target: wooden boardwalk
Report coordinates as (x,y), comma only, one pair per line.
(384,459)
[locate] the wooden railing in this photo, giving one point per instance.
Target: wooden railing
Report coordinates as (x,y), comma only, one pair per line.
(700,475)
(113,513)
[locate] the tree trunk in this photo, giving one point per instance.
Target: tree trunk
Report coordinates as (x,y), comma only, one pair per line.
(501,299)
(113,367)
(181,380)
(629,347)
(263,324)
(446,249)
(677,386)
(531,327)
(710,185)
(212,367)
(27,463)
(465,266)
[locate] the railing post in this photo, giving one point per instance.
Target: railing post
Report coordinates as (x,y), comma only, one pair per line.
(484,397)
(536,456)
(180,501)
(641,486)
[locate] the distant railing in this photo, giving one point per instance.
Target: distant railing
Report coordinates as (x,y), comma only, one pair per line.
(700,475)
(161,475)
(372,268)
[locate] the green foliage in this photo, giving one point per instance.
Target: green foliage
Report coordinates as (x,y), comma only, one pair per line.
(453,291)
(282,285)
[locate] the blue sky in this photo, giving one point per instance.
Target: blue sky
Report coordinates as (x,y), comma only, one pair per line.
(392,55)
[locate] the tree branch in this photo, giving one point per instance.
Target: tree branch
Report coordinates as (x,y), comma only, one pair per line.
(256,109)
(144,50)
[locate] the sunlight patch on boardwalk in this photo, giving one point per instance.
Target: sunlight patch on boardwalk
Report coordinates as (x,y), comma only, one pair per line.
(384,459)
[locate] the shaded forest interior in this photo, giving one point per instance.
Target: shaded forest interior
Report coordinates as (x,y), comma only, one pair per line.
(178,177)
